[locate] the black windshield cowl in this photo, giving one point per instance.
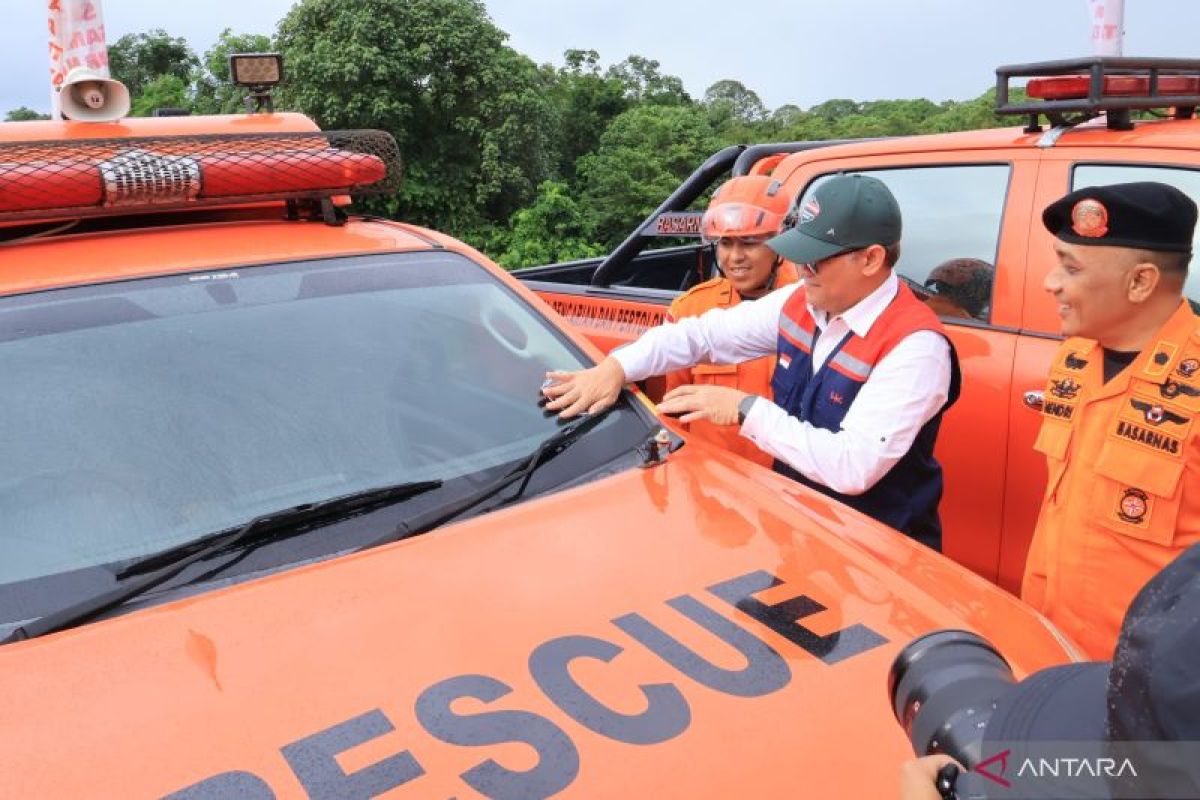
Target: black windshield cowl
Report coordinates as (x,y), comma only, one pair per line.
(520,474)
(144,574)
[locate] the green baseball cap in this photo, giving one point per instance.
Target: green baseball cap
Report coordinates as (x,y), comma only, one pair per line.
(846,212)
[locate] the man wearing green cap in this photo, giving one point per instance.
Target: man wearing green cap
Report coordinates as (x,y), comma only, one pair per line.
(864,369)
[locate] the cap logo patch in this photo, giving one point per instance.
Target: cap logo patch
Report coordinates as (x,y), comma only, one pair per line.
(1089,218)
(1133,506)
(810,210)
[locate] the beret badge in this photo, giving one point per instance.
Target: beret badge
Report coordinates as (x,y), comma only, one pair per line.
(1089,218)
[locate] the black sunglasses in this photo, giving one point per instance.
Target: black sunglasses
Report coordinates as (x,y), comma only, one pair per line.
(815,267)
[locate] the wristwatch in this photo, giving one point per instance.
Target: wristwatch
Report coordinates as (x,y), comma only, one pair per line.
(744,407)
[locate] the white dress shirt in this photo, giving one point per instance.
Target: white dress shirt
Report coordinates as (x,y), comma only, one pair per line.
(905,390)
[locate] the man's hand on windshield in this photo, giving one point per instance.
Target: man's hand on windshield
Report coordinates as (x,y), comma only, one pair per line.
(918,777)
(717,404)
(589,390)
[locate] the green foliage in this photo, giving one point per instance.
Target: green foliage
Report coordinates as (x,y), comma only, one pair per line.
(549,231)
(645,83)
(584,101)
(24,114)
(162,91)
(730,101)
(470,114)
(138,59)
(642,157)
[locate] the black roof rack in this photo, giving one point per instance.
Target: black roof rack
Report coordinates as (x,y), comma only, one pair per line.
(1098,69)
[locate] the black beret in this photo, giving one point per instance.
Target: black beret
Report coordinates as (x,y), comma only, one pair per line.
(1145,216)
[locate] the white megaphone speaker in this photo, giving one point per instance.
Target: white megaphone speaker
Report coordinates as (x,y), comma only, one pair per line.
(87,96)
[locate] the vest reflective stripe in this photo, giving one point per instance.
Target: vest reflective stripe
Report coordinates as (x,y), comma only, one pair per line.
(859,370)
(905,498)
(798,336)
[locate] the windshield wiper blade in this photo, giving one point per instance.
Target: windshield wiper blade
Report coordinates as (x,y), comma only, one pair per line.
(287,518)
(146,573)
(553,445)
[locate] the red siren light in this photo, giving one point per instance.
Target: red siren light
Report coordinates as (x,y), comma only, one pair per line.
(1074,87)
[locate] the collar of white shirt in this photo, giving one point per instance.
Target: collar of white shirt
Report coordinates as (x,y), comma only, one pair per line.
(862,315)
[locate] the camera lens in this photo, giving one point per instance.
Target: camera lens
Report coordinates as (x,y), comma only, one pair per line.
(944,687)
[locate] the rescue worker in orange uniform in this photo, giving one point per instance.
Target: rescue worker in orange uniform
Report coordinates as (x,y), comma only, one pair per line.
(1119,416)
(742,215)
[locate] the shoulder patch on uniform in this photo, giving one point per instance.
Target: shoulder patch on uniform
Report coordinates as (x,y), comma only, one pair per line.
(1066,389)
(1164,353)
(1075,362)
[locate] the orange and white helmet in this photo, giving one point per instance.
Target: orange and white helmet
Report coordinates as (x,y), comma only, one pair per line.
(746,206)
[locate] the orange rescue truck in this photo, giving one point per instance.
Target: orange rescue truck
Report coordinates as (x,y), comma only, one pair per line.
(282,516)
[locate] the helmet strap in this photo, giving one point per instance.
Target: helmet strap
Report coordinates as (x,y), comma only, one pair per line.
(770,284)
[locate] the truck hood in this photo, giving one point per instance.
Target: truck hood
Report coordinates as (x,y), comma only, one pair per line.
(703,628)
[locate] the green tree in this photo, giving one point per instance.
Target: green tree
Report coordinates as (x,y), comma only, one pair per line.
(470,114)
(643,156)
(731,100)
(584,102)
(24,114)
(550,230)
(215,94)
(137,59)
(645,83)
(835,110)
(162,91)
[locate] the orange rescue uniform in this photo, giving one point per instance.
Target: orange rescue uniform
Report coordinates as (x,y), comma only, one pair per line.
(749,376)
(1123,494)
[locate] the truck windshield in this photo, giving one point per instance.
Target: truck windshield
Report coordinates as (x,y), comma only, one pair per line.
(142,414)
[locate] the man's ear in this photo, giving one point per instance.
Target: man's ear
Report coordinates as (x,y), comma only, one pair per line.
(1144,279)
(876,259)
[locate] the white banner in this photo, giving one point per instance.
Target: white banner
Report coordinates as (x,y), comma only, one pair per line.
(1108,26)
(76,40)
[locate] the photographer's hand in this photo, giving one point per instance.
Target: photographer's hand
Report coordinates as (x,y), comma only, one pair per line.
(918,778)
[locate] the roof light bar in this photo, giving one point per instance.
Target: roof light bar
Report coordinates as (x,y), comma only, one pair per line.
(1086,87)
(67,179)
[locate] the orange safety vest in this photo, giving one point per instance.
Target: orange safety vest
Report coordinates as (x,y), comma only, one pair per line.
(1123,495)
(749,376)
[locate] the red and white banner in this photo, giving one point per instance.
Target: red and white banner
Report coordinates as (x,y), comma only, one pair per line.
(76,40)
(1108,26)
